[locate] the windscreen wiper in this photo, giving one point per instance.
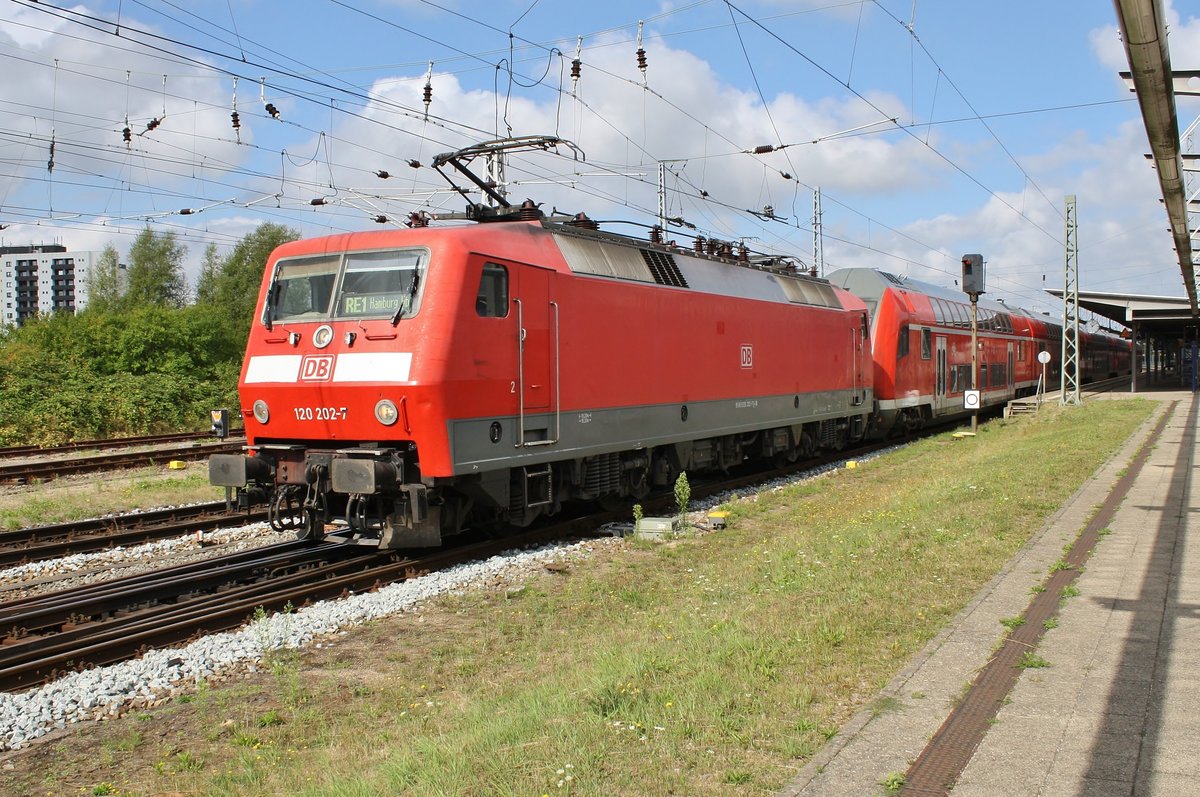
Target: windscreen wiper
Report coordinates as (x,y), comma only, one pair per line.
(412,298)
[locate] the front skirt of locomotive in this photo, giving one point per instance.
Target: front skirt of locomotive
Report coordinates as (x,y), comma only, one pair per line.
(359,494)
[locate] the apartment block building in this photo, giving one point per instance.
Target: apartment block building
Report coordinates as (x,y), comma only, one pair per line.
(42,279)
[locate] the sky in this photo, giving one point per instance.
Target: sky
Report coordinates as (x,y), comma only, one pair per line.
(931,128)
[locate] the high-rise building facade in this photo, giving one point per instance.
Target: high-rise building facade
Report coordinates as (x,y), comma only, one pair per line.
(42,279)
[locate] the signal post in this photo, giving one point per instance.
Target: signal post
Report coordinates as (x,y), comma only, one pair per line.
(973,285)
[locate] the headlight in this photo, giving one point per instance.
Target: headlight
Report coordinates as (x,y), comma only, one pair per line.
(386,412)
(261,413)
(323,336)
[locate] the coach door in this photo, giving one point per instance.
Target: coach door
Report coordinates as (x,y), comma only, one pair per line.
(940,381)
(537,357)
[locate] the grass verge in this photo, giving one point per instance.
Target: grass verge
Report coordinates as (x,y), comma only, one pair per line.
(714,665)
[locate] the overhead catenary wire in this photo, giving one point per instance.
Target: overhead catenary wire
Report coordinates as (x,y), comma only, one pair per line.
(246,49)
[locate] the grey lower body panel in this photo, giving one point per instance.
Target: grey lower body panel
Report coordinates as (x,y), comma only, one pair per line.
(582,433)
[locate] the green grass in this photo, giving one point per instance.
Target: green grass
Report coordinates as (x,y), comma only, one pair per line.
(65,500)
(716,665)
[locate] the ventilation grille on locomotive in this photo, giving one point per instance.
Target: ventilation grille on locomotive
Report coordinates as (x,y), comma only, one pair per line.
(662,266)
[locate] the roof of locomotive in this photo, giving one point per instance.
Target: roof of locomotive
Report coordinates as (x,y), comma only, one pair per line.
(584,249)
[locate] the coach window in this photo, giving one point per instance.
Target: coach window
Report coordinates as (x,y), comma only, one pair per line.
(492,299)
(926,344)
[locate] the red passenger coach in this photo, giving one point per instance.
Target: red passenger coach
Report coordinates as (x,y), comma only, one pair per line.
(921,345)
(404,385)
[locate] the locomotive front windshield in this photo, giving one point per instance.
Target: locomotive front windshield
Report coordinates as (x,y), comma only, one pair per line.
(383,284)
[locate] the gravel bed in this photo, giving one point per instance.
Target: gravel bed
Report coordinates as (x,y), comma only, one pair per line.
(112,691)
(84,568)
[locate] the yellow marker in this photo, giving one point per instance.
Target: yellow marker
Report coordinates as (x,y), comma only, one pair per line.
(176,464)
(851,464)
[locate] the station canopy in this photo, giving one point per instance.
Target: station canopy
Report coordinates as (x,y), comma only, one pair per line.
(1164,316)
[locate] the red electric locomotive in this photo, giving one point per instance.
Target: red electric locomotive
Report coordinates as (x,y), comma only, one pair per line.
(921,345)
(405,384)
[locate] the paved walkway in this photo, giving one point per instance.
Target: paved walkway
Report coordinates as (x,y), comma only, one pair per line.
(1118,710)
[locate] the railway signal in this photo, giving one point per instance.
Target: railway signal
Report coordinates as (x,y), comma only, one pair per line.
(972,285)
(220,423)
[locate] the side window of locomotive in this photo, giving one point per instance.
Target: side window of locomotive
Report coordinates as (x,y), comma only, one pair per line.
(301,289)
(379,284)
(492,299)
(926,344)
(902,342)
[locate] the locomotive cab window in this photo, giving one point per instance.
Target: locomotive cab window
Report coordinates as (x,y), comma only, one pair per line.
(492,299)
(902,342)
(301,289)
(379,284)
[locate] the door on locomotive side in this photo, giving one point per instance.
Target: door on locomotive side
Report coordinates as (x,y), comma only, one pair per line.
(536,316)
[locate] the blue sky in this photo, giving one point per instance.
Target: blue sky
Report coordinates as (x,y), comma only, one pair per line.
(1000,109)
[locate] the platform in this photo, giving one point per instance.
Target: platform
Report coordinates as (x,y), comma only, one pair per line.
(1117,711)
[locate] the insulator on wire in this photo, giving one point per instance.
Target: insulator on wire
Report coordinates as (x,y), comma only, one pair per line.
(269,107)
(235,120)
(785,175)
(318,201)
(382,174)
(763,149)
(186,212)
(381,219)
(153,123)
(416,164)
(428,93)
(126,133)
(641,52)
(577,65)
(50,163)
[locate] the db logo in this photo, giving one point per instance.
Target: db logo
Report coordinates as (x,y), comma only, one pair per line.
(747,355)
(316,368)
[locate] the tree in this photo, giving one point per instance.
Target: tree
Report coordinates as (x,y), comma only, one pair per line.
(104,285)
(156,271)
(210,271)
(234,290)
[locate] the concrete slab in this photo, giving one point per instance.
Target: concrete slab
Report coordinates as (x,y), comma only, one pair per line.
(1114,713)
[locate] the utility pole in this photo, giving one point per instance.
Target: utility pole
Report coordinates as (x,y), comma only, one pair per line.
(1070,327)
(818,261)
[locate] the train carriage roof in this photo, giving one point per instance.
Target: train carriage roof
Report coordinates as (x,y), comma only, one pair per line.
(869,284)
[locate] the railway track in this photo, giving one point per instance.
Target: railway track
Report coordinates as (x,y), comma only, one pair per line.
(45,637)
(113,443)
(35,470)
(40,543)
